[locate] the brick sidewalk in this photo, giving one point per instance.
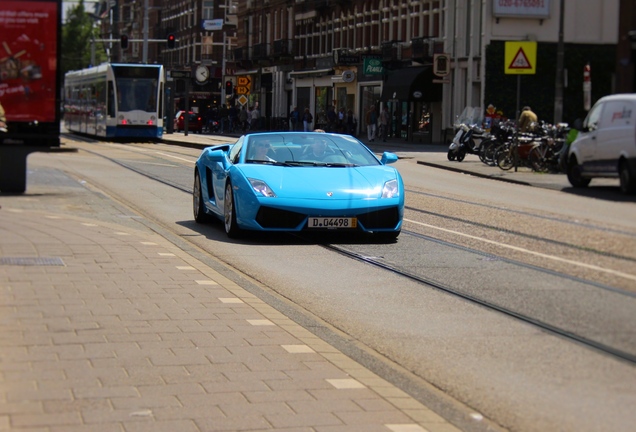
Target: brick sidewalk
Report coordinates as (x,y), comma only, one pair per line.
(107,328)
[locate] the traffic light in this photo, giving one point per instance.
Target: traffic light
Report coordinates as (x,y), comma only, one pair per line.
(228,88)
(171,40)
(123,42)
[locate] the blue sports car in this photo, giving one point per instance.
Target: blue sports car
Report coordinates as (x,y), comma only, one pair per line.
(299,181)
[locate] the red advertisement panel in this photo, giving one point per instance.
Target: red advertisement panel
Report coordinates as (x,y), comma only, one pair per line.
(28,60)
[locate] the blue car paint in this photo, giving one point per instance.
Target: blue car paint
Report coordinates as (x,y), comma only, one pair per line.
(353,190)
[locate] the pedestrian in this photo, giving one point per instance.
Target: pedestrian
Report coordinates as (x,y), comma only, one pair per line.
(340,123)
(331,119)
(372,123)
(351,123)
(527,119)
(224,114)
(308,119)
(384,123)
(233,118)
(243,118)
(3,120)
(294,118)
(255,118)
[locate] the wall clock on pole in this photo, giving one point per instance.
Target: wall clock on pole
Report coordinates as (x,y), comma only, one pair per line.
(202,74)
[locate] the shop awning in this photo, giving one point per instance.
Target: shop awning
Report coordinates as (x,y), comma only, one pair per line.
(311,73)
(411,83)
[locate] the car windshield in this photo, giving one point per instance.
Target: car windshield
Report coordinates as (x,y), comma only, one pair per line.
(310,149)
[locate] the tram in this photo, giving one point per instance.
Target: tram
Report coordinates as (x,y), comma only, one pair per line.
(115,101)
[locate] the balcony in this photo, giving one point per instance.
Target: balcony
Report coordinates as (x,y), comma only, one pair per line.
(283,48)
(260,52)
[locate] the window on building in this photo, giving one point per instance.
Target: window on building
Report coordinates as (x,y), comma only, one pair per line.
(208,10)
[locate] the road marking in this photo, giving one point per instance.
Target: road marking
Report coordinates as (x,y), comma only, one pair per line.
(176,157)
(539,254)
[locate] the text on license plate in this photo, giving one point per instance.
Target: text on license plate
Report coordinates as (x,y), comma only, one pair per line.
(332,222)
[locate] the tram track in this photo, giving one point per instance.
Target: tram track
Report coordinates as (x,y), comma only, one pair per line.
(568,334)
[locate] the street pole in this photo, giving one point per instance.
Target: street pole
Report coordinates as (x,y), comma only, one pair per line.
(145,45)
(558,88)
(223,95)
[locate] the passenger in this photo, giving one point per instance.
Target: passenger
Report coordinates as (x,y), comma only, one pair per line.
(260,150)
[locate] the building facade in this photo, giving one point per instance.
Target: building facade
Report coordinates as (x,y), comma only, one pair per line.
(425,60)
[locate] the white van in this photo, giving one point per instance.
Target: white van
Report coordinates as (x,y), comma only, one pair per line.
(606,144)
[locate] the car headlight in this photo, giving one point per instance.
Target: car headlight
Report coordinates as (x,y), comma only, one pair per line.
(390,189)
(261,187)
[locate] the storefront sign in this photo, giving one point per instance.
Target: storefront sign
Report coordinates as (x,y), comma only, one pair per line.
(373,66)
(521,8)
(213,24)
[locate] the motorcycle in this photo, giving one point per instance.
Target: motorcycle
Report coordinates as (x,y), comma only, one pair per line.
(464,142)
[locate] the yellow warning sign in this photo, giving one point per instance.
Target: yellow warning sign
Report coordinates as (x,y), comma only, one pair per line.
(520,58)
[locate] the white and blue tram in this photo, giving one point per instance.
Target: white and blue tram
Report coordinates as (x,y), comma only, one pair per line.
(115,101)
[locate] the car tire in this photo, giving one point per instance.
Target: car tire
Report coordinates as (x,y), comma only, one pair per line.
(627,178)
(198,207)
(229,213)
(575,177)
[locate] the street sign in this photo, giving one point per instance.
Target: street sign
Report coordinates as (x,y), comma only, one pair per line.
(180,74)
(520,58)
(243,85)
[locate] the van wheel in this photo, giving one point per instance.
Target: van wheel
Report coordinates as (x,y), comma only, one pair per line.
(574,175)
(627,177)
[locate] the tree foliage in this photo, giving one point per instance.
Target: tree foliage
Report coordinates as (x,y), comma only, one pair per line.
(78,32)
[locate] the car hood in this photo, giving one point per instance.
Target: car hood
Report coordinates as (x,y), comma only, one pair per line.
(323,182)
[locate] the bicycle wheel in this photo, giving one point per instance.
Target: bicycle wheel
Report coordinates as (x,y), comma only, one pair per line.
(505,160)
(537,159)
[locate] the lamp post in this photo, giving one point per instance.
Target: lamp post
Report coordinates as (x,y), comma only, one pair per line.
(558,88)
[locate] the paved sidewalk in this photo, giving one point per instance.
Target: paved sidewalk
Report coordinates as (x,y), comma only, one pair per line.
(108,327)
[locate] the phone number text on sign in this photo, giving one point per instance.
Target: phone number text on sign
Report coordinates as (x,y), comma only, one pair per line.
(522,8)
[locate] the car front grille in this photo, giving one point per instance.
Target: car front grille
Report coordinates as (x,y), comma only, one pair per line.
(274,218)
(387,218)
(269,217)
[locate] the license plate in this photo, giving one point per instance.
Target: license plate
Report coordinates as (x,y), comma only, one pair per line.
(332,222)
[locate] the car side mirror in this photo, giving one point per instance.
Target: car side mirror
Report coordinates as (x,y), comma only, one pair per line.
(388,158)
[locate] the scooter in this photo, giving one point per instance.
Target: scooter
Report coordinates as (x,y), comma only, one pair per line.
(464,142)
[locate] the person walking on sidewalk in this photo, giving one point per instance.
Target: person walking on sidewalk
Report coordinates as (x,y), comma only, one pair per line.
(372,123)
(307,120)
(384,123)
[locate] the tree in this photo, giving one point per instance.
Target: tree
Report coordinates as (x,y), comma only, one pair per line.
(77,33)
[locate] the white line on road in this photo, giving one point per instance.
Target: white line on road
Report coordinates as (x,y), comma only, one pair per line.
(539,254)
(176,157)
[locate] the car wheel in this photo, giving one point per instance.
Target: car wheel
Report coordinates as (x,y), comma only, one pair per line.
(575,177)
(229,213)
(198,207)
(627,178)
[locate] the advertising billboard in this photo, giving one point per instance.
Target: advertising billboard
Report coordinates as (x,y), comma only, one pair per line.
(29,62)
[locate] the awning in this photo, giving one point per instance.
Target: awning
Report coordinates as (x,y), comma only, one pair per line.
(412,83)
(311,73)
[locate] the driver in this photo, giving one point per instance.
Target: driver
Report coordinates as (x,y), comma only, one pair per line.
(318,150)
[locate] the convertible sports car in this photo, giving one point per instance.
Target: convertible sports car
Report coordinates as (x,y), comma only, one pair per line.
(299,181)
